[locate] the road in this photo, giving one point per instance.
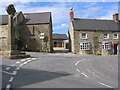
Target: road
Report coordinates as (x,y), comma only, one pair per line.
(60,70)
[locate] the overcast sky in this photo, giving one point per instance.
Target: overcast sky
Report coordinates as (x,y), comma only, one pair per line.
(60,10)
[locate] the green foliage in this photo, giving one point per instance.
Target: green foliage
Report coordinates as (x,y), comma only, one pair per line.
(18,39)
(17,33)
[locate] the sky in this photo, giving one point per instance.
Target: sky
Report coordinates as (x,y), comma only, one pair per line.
(60,11)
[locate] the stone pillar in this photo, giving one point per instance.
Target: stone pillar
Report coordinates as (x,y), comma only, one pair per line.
(11,47)
(11,33)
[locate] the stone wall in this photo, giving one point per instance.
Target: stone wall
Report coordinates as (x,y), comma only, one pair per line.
(3,37)
(36,43)
(71,38)
(95,38)
(4,33)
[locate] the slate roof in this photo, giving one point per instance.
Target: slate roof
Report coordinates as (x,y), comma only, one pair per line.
(3,19)
(32,18)
(95,24)
(37,18)
(59,37)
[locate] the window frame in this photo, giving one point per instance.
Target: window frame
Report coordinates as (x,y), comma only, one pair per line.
(82,37)
(114,37)
(84,45)
(106,45)
(107,36)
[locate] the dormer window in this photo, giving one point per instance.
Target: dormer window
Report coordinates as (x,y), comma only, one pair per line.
(83,36)
(106,36)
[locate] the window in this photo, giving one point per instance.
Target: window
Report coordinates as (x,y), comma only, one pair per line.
(83,35)
(106,45)
(84,45)
(115,36)
(106,36)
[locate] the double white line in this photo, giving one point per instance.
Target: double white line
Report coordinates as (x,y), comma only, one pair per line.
(16,69)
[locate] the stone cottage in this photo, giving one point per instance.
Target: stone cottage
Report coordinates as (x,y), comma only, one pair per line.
(60,40)
(94,36)
(33,30)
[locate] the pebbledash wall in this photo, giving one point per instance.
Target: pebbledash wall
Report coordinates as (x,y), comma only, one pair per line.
(95,38)
(28,31)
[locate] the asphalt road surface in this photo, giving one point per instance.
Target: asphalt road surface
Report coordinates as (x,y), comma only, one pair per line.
(60,70)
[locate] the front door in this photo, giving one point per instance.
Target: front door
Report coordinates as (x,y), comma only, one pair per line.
(115,48)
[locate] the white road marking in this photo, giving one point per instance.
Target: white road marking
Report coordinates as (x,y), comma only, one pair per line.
(84,75)
(105,85)
(7,68)
(14,72)
(8,87)
(12,65)
(6,72)
(78,70)
(25,63)
(17,62)
(23,60)
(21,65)
(79,61)
(33,58)
(17,68)
(28,58)
(11,79)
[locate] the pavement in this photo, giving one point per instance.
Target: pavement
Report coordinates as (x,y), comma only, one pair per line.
(60,70)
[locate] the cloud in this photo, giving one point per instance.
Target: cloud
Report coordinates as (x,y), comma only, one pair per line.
(87,5)
(62,26)
(88,12)
(109,13)
(59,1)
(59,11)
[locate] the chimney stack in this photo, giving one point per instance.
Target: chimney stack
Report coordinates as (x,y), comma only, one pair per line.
(25,15)
(71,14)
(116,17)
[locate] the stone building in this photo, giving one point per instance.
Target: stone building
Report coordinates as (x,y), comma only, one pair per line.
(34,31)
(60,40)
(94,36)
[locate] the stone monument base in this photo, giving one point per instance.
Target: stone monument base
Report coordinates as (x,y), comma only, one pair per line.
(14,54)
(6,52)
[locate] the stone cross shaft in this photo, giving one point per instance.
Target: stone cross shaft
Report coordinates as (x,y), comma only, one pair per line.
(11,34)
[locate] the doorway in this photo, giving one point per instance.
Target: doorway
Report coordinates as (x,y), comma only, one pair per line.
(115,49)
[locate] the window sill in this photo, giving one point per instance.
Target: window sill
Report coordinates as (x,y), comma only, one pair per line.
(84,50)
(106,49)
(115,38)
(84,38)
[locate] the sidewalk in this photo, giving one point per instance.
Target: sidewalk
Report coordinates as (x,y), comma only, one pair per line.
(60,50)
